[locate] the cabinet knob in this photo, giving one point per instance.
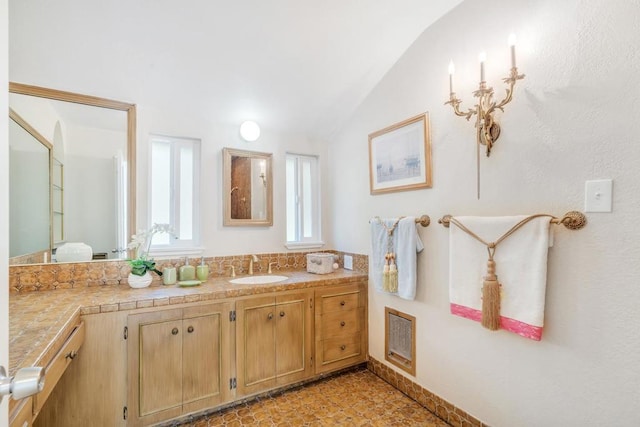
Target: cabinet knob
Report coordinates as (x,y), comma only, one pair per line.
(282,314)
(342,347)
(190,329)
(71,355)
(342,323)
(174,331)
(270,316)
(342,302)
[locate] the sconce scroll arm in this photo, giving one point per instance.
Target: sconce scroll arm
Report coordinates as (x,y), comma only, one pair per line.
(511,81)
(455,103)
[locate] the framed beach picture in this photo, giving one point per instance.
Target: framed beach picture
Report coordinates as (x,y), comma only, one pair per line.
(400,156)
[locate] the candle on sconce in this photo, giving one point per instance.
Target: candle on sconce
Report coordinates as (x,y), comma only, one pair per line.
(452,69)
(482,56)
(512,45)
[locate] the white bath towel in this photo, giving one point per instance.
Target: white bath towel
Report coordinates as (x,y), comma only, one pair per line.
(521,267)
(406,245)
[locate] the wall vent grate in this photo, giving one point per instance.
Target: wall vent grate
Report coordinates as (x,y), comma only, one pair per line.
(400,340)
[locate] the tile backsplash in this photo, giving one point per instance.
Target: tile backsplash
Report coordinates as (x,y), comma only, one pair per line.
(40,277)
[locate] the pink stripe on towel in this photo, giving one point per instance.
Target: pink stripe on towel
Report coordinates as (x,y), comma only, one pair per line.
(511,325)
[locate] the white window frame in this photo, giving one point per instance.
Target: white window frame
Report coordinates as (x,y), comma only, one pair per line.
(177,247)
(315,240)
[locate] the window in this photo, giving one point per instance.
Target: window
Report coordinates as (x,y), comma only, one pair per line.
(174,184)
(303,202)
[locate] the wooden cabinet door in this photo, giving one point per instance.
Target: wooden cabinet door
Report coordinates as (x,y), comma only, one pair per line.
(255,345)
(93,390)
(205,355)
(155,366)
(293,337)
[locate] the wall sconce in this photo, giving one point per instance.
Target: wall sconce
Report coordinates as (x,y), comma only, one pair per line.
(263,172)
(487,130)
(249,131)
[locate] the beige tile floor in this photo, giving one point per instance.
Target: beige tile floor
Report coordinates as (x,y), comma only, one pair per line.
(356,398)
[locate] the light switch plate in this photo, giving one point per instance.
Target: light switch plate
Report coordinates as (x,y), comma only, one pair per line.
(348,262)
(598,195)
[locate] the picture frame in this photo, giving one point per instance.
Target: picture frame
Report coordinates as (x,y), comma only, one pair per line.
(400,156)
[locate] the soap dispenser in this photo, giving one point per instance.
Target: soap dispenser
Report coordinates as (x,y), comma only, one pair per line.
(187,272)
(202,271)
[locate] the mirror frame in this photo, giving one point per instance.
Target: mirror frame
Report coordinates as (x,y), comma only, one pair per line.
(227,154)
(94,101)
(49,146)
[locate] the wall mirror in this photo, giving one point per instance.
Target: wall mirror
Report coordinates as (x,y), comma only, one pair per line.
(30,195)
(248,188)
(91,173)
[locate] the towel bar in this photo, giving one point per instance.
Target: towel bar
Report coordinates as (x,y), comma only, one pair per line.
(573,220)
(423,220)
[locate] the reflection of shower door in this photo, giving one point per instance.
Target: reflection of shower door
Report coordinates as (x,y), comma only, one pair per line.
(120,170)
(241,187)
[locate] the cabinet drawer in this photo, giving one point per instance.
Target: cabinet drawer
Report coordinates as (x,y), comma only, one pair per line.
(341,302)
(58,365)
(341,348)
(340,323)
(22,414)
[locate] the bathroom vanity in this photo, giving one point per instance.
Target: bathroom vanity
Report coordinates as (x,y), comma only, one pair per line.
(155,354)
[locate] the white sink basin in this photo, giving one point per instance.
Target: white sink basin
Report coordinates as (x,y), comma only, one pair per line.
(258,280)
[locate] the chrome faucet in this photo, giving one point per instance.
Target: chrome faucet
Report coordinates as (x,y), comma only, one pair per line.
(253,259)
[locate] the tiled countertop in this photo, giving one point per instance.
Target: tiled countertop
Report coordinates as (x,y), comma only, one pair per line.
(40,322)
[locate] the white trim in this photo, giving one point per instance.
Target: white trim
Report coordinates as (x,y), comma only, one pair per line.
(4,201)
(304,245)
(172,252)
(307,204)
(187,246)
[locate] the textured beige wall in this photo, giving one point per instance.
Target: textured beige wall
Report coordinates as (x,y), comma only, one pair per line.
(574,118)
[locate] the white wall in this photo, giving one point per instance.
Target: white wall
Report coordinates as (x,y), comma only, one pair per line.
(190,123)
(573,118)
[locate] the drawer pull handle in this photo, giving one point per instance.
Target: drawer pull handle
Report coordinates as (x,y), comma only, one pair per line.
(72,355)
(342,302)
(174,331)
(190,329)
(343,347)
(342,323)
(282,314)
(270,316)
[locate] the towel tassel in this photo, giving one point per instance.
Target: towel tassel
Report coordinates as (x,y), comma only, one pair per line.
(491,297)
(393,274)
(490,285)
(385,274)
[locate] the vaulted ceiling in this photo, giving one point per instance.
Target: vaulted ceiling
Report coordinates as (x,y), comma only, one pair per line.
(297,66)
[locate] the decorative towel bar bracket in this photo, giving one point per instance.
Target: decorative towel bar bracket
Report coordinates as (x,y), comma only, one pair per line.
(573,220)
(424,220)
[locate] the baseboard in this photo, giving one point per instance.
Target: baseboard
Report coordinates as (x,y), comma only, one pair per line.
(444,410)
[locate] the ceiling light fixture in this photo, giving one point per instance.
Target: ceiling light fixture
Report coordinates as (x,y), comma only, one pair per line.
(249,131)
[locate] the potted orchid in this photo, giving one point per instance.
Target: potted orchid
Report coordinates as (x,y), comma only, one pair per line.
(142,265)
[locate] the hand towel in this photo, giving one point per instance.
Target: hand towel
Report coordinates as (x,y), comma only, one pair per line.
(521,267)
(406,245)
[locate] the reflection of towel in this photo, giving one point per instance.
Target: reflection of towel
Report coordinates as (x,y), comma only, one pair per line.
(521,266)
(406,244)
